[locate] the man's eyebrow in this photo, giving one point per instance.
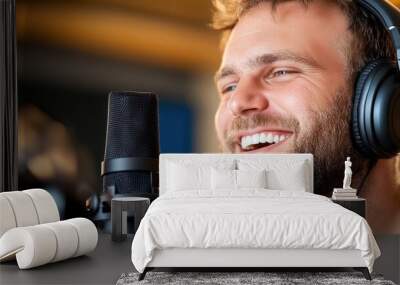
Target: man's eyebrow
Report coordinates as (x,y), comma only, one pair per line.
(224,72)
(265,59)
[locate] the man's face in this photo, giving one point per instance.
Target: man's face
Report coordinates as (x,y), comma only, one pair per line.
(283,84)
(278,70)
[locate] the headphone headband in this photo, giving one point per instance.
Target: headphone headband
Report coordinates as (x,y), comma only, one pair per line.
(389,15)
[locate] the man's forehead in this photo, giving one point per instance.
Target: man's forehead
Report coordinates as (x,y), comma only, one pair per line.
(288,14)
(289,27)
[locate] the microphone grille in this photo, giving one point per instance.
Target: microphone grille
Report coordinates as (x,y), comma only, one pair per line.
(132,128)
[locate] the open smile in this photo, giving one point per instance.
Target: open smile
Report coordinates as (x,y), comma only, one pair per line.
(262,140)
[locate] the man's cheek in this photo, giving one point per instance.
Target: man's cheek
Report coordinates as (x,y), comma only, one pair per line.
(303,95)
(301,104)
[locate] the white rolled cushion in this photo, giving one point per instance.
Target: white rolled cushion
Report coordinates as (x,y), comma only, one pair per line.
(67,240)
(23,208)
(45,205)
(87,235)
(223,179)
(40,244)
(33,246)
(251,178)
(7,218)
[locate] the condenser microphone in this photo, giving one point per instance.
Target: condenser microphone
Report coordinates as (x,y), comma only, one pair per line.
(130,166)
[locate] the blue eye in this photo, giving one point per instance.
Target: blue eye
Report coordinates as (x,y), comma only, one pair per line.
(229,88)
(281,73)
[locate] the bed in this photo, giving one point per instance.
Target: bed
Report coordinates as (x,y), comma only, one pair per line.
(247,211)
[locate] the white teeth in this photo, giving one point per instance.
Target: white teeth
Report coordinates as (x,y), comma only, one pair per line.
(255,139)
(258,138)
(243,142)
(249,140)
(270,138)
(263,138)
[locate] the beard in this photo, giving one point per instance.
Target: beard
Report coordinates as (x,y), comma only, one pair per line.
(328,139)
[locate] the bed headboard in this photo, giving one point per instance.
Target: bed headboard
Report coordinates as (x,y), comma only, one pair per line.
(270,160)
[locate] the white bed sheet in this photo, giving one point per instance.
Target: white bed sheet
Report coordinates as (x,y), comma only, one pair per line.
(250,218)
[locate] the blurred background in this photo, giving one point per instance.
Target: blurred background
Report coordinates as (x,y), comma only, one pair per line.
(71,54)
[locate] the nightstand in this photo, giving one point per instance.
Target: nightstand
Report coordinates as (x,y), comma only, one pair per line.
(120,208)
(357,205)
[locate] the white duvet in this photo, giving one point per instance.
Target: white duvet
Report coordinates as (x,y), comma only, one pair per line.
(250,219)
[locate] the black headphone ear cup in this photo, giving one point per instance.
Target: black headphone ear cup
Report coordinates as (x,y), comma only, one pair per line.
(376,107)
(386,114)
(357,124)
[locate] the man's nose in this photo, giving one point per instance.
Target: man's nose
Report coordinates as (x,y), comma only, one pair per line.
(248,98)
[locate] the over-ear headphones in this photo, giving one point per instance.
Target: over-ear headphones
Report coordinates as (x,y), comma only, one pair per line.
(376,102)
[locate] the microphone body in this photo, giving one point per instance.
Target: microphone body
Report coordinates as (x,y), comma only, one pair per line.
(130,166)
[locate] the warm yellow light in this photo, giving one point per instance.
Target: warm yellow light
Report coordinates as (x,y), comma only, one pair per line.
(396,2)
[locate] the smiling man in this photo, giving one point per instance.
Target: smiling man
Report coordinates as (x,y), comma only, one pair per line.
(286,83)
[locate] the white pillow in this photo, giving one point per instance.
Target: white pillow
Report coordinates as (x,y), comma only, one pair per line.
(293,179)
(184,174)
(187,177)
(251,178)
(235,179)
(223,179)
(282,174)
